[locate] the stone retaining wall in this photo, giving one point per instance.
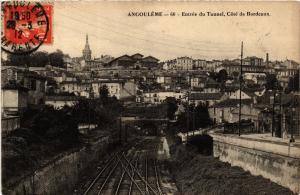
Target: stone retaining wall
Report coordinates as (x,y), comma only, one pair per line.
(277,161)
(60,175)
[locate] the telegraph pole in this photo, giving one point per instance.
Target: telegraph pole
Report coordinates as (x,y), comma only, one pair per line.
(188,116)
(273,113)
(279,132)
(90,97)
(241,77)
(294,123)
(120,130)
(188,108)
(194,125)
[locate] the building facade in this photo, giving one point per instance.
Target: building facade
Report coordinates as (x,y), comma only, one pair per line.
(184,63)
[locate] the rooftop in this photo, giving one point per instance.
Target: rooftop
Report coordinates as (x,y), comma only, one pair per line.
(206,96)
(14,86)
(232,103)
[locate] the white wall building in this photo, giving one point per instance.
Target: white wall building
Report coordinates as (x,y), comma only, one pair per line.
(184,63)
(159,97)
(59,102)
(199,64)
(14,99)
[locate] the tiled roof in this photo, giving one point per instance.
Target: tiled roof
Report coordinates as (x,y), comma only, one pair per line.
(230,88)
(232,103)
(184,57)
(206,96)
(14,68)
(132,59)
(35,75)
(14,86)
(109,81)
(264,101)
(127,57)
(137,54)
(70,82)
(210,83)
(150,58)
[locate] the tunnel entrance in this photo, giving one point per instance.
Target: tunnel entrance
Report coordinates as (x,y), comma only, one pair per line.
(203,143)
(131,126)
(149,129)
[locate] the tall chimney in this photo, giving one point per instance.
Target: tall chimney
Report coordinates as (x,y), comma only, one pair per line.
(267,59)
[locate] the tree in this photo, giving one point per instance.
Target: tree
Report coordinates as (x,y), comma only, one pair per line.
(53,124)
(18,60)
(201,116)
(172,107)
(222,76)
(272,82)
(82,111)
(104,92)
(56,58)
(100,111)
(39,59)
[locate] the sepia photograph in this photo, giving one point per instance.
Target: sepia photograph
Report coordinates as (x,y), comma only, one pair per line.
(150,97)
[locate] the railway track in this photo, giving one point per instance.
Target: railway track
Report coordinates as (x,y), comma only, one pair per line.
(131,172)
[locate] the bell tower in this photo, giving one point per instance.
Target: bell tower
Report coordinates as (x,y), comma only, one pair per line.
(86,52)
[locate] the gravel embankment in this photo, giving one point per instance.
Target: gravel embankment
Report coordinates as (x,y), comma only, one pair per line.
(198,174)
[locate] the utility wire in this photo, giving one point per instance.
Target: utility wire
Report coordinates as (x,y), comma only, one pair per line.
(138,38)
(165,36)
(82,32)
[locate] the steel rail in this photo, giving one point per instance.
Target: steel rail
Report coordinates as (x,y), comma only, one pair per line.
(139,175)
(109,174)
(132,179)
(99,174)
(120,181)
(146,173)
(157,177)
(133,173)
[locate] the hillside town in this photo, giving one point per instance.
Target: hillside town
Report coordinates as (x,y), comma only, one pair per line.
(150,98)
(269,90)
(61,114)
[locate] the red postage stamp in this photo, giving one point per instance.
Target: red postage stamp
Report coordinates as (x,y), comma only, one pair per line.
(26,26)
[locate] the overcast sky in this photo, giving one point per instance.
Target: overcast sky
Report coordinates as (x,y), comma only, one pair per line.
(111,31)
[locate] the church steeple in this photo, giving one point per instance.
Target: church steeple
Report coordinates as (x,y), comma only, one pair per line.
(86,52)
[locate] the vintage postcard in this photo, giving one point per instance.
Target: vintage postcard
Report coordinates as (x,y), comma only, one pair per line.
(150,97)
